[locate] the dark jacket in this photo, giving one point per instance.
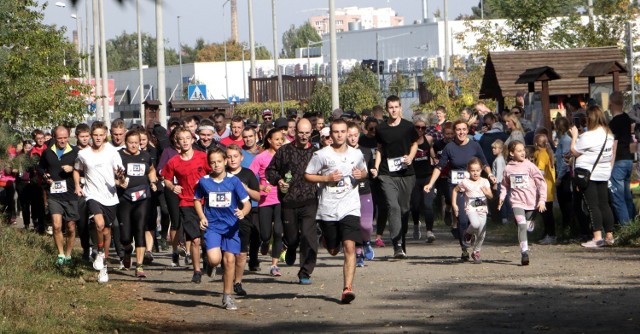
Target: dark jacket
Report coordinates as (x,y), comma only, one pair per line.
(289,158)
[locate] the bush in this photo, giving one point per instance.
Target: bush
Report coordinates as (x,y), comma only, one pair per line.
(253,110)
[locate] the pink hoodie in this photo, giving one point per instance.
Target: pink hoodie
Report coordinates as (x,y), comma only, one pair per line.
(526,183)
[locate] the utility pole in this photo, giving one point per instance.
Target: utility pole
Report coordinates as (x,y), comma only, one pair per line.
(140,72)
(275,56)
(162,93)
(335,94)
(103,64)
(96,59)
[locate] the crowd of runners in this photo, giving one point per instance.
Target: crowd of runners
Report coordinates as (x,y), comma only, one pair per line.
(214,194)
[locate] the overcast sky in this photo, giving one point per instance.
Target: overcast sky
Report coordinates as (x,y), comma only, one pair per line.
(204,18)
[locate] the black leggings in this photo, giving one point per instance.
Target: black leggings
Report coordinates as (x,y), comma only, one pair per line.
(596,198)
(549,220)
(132,217)
(421,201)
(380,211)
(271,214)
(565,198)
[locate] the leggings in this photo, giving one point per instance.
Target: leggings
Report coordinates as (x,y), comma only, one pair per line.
(596,198)
(477,226)
(380,210)
(565,198)
(271,221)
(366,217)
(524,219)
(159,200)
(463,219)
(421,201)
(549,220)
(132,217)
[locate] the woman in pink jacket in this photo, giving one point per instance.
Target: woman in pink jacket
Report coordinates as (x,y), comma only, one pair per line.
(528,193)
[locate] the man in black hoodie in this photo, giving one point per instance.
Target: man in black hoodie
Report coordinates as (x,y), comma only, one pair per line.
(298,199)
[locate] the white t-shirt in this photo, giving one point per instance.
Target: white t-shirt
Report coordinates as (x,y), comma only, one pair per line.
(99,174)
(337,199)
(589,145)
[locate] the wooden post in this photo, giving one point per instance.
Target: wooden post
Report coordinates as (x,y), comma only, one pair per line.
(616,81)
(544,97)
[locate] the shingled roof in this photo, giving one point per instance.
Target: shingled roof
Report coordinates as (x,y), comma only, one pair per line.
(504,68)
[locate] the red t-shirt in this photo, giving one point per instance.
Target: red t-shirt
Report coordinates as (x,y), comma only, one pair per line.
(226,141)
(187,173)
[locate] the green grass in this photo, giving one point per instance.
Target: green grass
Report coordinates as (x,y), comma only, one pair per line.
(38,297)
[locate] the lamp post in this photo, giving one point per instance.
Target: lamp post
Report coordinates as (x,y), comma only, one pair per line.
(378,40)
(180,59)
(244,74)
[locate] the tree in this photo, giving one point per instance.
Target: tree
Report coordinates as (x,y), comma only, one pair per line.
(190,54)
(35,89)
(215,52)
(123,52)
(295,38)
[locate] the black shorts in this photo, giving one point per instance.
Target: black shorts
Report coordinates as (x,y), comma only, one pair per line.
(108,212)
(67,208)
(190,223)
(334,232)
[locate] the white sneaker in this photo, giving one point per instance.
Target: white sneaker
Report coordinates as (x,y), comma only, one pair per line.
(49,230)
(103,276)
(98,263)
(531,226)
(430,237)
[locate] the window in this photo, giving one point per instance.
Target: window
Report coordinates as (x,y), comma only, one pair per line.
(339,22)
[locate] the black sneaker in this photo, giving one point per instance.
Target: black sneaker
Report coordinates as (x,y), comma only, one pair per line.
(525,259)
(398,253)
(210,270)
(197,277)
(175,260)
(465,255)
(148,258)
(237,288)
(254,267)
(290,256)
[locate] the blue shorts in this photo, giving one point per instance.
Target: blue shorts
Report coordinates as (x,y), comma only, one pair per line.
(229,242)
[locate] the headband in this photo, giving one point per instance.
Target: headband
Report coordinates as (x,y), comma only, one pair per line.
(206,127)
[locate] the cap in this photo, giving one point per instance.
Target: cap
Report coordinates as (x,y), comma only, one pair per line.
(325,132)
(349,114)
(292,112)
(310,114)
(281,123)
(267,112)
(336,113)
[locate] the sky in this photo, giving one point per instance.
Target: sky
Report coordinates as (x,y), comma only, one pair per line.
(204,18)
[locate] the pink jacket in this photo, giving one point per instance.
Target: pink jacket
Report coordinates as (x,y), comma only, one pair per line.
(526,183)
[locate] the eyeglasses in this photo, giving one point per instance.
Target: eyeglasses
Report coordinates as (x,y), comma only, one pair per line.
(421,128)
(326,137)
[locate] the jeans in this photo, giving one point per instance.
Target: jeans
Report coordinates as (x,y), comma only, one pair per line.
(621,198)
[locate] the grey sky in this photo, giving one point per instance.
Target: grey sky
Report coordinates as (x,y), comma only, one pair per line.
(203,18)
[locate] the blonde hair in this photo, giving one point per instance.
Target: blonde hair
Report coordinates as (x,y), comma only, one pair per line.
(498,144)
(514,119)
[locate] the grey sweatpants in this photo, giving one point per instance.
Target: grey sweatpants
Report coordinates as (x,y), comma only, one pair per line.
(397,193)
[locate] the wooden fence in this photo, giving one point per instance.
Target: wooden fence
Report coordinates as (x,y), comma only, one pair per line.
(294,88)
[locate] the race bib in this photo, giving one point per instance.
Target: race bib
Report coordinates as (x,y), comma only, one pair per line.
(220,199)
(458,175)
(136,169)
(396,164)
(58,187)
(519,181)
(341,186)
(478,201)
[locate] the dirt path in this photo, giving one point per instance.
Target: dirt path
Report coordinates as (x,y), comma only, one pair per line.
(566,289)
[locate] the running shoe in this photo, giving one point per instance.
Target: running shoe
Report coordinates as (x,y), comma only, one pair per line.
(593,243)
(275,271)
(283,256)
(68,261)
(228,303)
(290,256)
(254,267)
(98,263)
(525,258)
(140,272)
(187,259)
(182,250)
(531,226)
(197,277)
(468,238)
(163,244)
(121,265)
(360,260)
(368,251)
(49,230)
(148,258)
(398,253)
(175,260)
(126,262)
(379,243)
(60,260)
(347,296)
(476,257)
(610,241)
(237,288)
(416,231)
(465,255)
(304,280)
(264,248)
(209,269)
(547,240)
(430,237)
(103,276)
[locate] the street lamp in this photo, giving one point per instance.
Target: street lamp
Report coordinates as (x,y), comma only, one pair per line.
(378,40)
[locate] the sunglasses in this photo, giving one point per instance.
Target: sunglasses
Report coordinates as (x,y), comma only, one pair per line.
(421,128)
(267,118)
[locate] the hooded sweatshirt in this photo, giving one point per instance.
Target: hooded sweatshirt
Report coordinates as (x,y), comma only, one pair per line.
(526,183)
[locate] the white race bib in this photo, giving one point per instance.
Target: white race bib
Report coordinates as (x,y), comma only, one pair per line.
(134,169)
(396,164)
(519,181)
(59,187)
(458,175)
(220,199)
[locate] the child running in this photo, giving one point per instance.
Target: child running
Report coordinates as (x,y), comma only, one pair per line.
(224,196)
(528,193)
(476,191)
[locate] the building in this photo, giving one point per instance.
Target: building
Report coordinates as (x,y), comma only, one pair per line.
(355,18)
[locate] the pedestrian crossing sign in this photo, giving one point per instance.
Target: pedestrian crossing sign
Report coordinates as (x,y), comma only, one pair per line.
(197,92)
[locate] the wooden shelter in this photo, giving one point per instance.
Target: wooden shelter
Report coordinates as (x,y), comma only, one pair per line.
(543,74)
(503,69)
(604,68)
(204,108)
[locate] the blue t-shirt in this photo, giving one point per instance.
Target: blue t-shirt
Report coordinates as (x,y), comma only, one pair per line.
(220,201)
(248,158)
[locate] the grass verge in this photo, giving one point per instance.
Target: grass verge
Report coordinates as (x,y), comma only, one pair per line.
(38,297)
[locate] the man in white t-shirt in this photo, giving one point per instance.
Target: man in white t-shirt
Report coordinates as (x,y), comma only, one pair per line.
(337,169)
(101,165)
